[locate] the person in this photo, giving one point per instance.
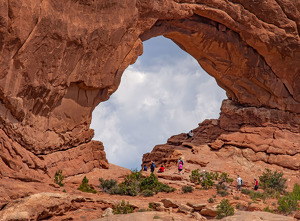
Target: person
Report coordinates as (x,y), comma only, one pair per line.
(239,183)
(161,169)
(255,184)
(180,161)
(204,175)
(180,167)
(190,134)
(145,168)
(152,167)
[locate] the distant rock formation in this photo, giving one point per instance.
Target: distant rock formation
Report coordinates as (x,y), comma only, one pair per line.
(60,59)
(244,141)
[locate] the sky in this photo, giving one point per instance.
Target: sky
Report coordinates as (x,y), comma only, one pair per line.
(166,92)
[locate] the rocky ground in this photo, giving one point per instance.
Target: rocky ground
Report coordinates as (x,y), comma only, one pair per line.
(67,203)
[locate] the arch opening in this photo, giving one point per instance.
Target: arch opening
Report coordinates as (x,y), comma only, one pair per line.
(165,92)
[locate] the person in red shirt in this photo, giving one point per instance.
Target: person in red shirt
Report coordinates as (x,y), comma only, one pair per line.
(161,169)
(256,184)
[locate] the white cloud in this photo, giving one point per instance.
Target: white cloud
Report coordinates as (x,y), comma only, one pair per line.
(155,100)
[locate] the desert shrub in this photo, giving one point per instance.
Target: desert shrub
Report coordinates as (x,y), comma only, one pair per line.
(195,177)
(288,203)
(107,185)
(224,177)
(246,191)
(123,208)
(214,175)
(224,209)
(58,178)
(211,200)
(187,189)
(272,181)
(152,183)
(207,180)
(296,191)
(84,186)
(220,186)
(267,209)
(254,195)
(222,192)
(134,184)
(238,206)
(151,207)
(147,193)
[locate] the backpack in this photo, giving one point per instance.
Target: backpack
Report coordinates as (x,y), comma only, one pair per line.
(242,182)
(152,166)
(181,161)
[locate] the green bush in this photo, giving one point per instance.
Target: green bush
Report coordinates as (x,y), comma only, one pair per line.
(288,203)
(107,185)
(147,193)
(246,191)
(84,187)
(254,195)
(152,183)
(222,192)
(211,200)
(207,183)
(134,184)
(123,208)
(195,177)
(296,191)
(224,209)
(187,189)
(58,178)
(214,175)
(272,181)
(267,209)
(224,177)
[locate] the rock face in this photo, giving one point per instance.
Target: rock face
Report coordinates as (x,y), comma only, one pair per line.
(244,140)
(59,59)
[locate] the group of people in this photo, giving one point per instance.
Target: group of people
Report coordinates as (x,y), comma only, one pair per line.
(240,182)
(162,169)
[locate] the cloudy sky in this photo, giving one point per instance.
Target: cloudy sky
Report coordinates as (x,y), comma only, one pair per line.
(164,93)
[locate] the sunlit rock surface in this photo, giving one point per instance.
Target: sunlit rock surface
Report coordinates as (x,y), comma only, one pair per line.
(60,59)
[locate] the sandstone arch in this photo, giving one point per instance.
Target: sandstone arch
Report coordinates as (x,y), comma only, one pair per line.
(60,59)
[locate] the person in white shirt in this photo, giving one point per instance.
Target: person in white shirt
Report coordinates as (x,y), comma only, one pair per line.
(239,183)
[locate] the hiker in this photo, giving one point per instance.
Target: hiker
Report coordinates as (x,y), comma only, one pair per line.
(204,175)
(145,168)
(180,161)
(239,183)
(152,167)
(180,167)
(161,169)
(255,184)
(190,134)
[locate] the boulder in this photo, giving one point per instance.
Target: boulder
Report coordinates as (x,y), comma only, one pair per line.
(169,203)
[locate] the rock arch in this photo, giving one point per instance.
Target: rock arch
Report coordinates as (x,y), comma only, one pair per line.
(59,60)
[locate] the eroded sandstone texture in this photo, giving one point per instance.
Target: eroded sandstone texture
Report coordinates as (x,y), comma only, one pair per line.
(59,59)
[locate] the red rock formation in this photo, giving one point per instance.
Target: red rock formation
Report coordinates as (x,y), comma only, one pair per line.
(59,59)
(244,140)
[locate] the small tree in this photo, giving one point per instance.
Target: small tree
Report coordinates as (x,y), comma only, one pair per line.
(123,208)
(224,209)
(58,178)
(288,203)
(272,181)
(84,186)
(195,177)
